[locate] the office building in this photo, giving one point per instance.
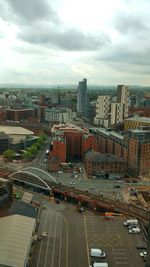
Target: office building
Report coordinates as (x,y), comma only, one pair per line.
(82,98)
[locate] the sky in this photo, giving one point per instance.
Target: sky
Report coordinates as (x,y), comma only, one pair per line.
(63,41)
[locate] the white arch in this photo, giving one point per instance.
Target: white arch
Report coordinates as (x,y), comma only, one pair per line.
(26,172)
(27,168)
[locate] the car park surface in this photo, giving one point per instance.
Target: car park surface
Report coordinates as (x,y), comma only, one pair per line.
(71,236)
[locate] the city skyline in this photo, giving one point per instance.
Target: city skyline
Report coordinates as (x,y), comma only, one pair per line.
(60,43)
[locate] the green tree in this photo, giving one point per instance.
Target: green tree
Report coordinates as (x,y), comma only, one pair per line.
(43,136)
(33,150)
(27,155)
(9,154)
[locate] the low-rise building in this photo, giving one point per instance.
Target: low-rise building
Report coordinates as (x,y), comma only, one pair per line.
(16,233)
(103,165)
(136,122)
(19,114)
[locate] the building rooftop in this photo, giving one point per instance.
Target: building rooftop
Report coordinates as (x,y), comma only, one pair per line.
(99,157)
(22,208)
(140,131)
(116,134)
(15,234)
(19,109)
(139,119)
(15,130)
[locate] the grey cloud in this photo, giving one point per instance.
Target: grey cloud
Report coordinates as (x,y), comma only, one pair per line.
(128,59)
(71,39)
(25,12)
(131,56)
(130,24)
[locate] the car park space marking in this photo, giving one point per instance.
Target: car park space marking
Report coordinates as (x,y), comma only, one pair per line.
(47,245)
(41,244)
(52,225)
(86,238)
(120,256)
(60,244)
(54,241)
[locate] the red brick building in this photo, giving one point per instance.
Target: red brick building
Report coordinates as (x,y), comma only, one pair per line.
(132,145)
(59,149)
(138,152)
(103,165)
(20,114)
(76,142)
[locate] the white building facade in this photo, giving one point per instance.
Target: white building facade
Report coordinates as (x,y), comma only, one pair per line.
(102,111)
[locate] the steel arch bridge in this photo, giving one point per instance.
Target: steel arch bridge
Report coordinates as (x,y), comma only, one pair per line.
(34,177)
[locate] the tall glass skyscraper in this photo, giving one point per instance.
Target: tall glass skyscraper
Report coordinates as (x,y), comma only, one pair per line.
(82,98)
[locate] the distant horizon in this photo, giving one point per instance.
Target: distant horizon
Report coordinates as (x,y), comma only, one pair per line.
(61,86)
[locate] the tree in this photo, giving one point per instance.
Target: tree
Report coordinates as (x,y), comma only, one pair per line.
(43,137)
(27,155)
(33,150)
(9,154)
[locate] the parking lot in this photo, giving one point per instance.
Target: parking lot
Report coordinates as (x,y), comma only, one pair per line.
(113,238)
(71,235)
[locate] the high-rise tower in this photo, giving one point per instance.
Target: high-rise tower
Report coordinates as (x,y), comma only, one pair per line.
(82,98)
(123,98)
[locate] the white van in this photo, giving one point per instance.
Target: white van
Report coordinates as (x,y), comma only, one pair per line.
(99,264)
(130,222)
(96,252)
(134,231)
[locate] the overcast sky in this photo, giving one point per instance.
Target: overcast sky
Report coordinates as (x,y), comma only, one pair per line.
(63,41)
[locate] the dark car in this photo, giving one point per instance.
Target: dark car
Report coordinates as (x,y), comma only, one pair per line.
(141,246)
(81,209)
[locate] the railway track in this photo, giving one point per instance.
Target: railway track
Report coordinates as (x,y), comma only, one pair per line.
(92,201)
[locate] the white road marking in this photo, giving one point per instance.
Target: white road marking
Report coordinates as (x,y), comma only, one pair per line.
(86,241)
(53,250)
(41,242)
(47,245)
(60,243)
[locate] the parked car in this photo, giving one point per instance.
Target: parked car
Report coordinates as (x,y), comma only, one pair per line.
(96,252)
(72,183)
(134,230)
(133,226)
(81,209)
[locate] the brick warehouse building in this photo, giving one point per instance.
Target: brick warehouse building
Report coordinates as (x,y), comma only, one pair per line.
(132,145)
(20,114)
(103,165)
(138,151)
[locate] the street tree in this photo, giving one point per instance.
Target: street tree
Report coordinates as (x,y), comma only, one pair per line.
(9,154)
